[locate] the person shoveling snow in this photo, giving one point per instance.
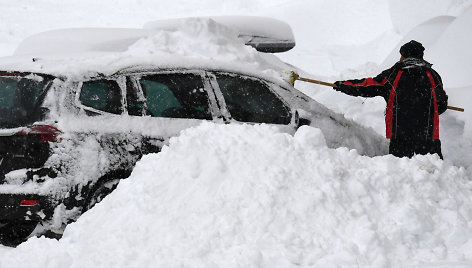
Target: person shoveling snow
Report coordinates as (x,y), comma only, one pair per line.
(415,98)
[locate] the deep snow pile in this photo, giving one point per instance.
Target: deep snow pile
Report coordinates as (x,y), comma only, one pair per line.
(250,196)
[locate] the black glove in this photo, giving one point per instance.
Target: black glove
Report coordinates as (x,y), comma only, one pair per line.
(339,85)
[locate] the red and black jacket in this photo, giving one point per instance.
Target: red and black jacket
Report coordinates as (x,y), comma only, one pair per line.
(414,94)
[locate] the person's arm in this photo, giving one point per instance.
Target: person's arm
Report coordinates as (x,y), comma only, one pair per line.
(366,87)
(441,96)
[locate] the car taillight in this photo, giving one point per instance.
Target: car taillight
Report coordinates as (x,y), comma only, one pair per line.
(47,133)
(9,74)
(26,203)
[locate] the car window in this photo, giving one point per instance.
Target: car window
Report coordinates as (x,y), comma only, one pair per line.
(103,95)
(176,96)
(19,97)
(18,90)
(7,91)
(250,100)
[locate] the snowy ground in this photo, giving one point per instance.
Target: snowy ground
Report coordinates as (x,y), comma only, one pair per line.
(275,201)
(254,197)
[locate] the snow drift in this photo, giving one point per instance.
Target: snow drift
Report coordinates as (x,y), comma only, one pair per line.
(250,196)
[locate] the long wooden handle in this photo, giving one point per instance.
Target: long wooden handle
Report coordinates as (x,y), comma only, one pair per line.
(333,85)
(455,108)
(317,82)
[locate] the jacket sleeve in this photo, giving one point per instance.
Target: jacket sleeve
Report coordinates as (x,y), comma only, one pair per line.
(366,87)
(441,96)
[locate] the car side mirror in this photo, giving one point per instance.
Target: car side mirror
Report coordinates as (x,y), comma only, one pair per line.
(303,122)
(295,119)
(298,121)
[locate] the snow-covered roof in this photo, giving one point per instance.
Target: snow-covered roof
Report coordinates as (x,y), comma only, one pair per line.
(181,43)
(264,34)
(80,40)
(267,34)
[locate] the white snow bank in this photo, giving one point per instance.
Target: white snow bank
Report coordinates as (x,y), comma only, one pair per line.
(249,196)
(452,52)
(408,14)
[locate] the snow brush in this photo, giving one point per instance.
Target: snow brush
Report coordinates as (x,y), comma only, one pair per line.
(294,76)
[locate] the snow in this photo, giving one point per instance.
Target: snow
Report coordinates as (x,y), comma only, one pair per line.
(251,196)
(441,36)
(454,39)
(406,15)
(80,40)
(77,40)
(427,33)
(244,26)
(275,201)
(195,43)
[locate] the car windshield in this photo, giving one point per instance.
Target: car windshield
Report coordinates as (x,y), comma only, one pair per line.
(19,97)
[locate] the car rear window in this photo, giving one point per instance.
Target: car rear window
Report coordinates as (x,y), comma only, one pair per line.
(19,98)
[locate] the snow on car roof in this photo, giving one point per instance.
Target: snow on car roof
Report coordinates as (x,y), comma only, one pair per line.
(264,34)
(81,40)
(193,43)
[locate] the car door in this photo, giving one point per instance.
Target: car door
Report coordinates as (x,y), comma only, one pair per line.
(166,102)
(250,100)
(104,127)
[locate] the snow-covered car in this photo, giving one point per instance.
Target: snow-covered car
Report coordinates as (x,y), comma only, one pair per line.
(80,107)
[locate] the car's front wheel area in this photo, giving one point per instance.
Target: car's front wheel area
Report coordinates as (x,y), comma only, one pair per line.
(100,192)
(14,233)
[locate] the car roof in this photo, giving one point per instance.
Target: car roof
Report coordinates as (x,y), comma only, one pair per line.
(258,32)
(196,43)
(83,71)
(221,69)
